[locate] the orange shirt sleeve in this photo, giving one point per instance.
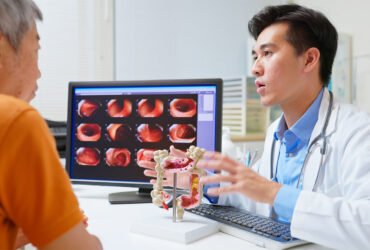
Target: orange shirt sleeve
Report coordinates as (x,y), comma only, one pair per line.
(36,193)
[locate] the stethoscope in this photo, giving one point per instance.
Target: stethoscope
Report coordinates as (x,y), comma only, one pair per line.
(323,147)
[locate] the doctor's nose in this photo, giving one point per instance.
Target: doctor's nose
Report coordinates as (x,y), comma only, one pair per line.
(257,69)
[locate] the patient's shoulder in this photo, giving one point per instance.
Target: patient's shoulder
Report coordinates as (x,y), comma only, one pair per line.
(11,107)
(13,110)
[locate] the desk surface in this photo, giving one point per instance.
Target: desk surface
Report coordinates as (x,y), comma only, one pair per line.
(111,223)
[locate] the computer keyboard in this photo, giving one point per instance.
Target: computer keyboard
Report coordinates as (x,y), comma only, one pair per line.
(59,131)
(260,230)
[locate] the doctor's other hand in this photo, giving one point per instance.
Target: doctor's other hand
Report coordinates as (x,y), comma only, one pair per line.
(183,179)
(241,178)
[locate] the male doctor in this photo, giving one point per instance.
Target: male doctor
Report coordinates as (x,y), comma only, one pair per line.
(315,168)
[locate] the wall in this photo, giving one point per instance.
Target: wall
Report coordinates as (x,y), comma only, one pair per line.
(352,17)
(76,44)
(183,39)
(166,39)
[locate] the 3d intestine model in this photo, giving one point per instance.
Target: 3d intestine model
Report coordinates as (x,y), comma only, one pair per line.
(175,162)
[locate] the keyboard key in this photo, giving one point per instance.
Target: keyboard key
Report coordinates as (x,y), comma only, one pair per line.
(244,220)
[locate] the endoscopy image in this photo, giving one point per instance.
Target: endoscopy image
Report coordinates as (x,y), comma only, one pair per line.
(118,157)
(119,108)
(144,157)
(88,132)
(182,133)
(87,108)
(119,132)
(87,156)
(150,107)
(183,107)
(149,133)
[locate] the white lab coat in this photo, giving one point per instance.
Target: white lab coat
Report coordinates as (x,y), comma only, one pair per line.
(336,211)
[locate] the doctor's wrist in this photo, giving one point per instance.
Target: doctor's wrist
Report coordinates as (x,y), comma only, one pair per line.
(272,192)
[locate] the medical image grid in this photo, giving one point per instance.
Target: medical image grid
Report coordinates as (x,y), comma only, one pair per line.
(111,133)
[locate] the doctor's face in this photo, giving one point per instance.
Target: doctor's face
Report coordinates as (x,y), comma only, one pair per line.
(277,67)
(19,69)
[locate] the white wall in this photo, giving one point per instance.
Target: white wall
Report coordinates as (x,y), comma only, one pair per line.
(76,44)
(166,39)
(183,39)
(351,17)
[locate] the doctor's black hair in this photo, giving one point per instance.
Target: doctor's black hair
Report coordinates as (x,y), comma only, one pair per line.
(307,28)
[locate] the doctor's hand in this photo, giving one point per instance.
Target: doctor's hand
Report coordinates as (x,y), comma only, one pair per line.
(183,179)
(241,178)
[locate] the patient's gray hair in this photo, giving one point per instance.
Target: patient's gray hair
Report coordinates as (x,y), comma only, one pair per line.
(16,18)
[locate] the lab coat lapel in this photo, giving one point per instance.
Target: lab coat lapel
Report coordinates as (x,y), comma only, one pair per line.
(312,168)
(265,169)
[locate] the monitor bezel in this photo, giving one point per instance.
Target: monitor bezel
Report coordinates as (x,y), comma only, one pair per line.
(134,83)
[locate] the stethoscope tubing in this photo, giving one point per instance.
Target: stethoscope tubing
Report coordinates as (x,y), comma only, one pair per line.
(322,136)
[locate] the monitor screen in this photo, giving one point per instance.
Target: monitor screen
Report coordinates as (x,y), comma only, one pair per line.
(112,124)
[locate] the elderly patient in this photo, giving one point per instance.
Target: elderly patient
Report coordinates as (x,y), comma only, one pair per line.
(35,193)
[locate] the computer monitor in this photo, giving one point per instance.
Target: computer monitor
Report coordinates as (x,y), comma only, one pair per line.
(111,125)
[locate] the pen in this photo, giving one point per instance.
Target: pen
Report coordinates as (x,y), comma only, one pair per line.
(247,157)
(251,158)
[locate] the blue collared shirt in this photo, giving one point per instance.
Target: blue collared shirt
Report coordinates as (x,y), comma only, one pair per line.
(293,151)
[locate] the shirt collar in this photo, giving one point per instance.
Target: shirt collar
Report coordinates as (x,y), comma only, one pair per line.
(304,126)
(279,133)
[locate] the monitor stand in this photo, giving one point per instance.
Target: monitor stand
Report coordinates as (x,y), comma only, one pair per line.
(140,196)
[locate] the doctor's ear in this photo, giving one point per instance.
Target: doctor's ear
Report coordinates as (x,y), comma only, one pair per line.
(312,58)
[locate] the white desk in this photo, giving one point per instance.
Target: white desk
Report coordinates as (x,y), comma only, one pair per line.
(111,223)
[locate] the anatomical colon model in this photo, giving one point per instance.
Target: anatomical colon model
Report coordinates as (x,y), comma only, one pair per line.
(178,162)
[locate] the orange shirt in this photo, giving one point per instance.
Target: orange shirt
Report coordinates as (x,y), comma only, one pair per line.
(35,192)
